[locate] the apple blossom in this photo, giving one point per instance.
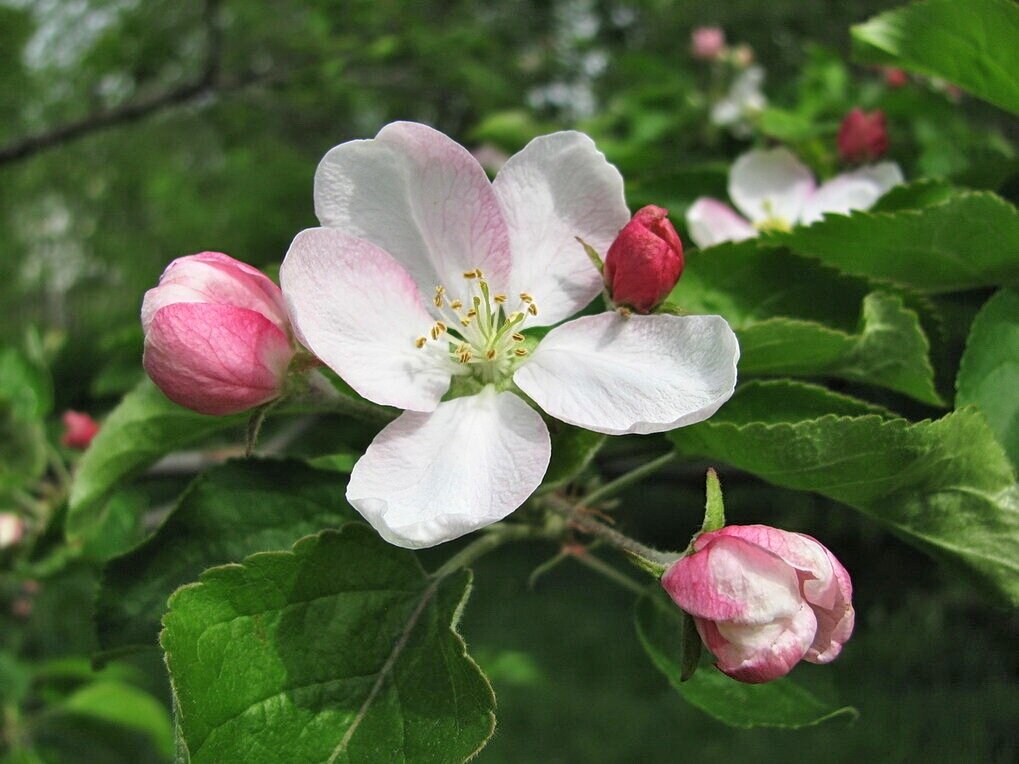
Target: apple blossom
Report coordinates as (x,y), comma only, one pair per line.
(645,261)
(79,429)
(764,599)
(420,291)
(776,192)
(863,137)
(707,43)
(743,101)
(217,336)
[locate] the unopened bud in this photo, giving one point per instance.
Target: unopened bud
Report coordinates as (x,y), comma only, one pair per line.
(863,137)
(217,336)
(707,43)
(764,599)
(645,261)
(79,429)
(896,78)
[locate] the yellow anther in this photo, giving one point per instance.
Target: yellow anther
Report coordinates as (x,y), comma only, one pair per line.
(438,301)
(456,305)
(490,355)
(518,337)
(480,274)
(500,298)
(532,309)
(465,356)
(472,313)
(520,352)
(420,342)
(526,298)
(465,322)
(438,330)
(472,274)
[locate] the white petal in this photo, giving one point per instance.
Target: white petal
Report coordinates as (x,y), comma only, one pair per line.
(856,190)
(420,196)
(640,374)
(429,478)
(557,188)
(770,183)
(360,312)
(711,222)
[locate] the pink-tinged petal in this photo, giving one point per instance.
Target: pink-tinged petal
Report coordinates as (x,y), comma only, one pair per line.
(217,279)
(856,190)
(735,581)
(421,197)
(711,222)
(798,550)
(770,184)
(638,374)
(557,188)
(216,359)
(360,312)
(834,624)
(430,478)
(756,654)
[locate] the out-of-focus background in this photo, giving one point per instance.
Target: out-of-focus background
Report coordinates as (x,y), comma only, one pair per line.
(136,131)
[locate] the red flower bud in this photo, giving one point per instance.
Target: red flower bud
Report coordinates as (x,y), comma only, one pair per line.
(79,429)
(896,78)
(863,137)
(645,261)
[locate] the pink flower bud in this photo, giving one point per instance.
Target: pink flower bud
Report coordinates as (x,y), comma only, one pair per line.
(707,43)
(764,599)
(217,336)
(79,429)
(645,261)
(863,137)
(12,528)
(896,78)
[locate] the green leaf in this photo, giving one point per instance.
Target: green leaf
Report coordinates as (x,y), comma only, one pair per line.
(913,196)
(22,449)
(714,506)
(989,372)
(782,703)
(342,650)
(227,513)
(795,317)
(967,241)
(572,450)
(971,43)
(25,385)
(944,486)
(124,705)
(143,428)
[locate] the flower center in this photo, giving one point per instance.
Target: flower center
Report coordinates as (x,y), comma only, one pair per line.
(482,336)
(772,223)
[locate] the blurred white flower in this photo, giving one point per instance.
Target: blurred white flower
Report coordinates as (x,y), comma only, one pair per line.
(743,101)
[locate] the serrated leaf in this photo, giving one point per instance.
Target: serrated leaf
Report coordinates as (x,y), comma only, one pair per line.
(342,650)
(971,43)
(782,703)
(968,241)
(989,372)
(226,514)
(944,486)
(916,195)
(795,317)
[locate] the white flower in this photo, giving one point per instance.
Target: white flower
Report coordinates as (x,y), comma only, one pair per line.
(776,191)
(428,273)
(743,102)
